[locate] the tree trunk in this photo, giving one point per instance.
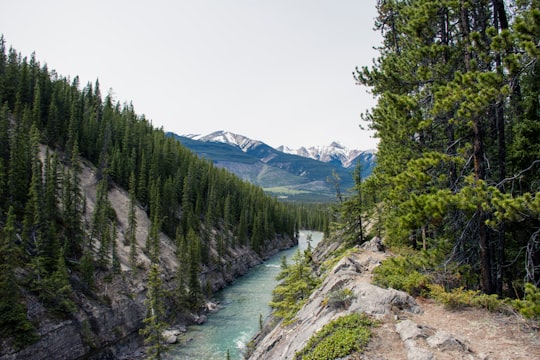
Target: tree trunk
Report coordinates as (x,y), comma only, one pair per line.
(500,22)
(479,174)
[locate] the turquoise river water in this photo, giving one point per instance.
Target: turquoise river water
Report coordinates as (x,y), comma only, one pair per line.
(242,305)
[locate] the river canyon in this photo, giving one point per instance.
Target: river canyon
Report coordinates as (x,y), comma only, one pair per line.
(241,308)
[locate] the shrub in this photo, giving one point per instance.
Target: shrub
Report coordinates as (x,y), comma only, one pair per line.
(529,306)
(338,338)
(401,273)
(459,298)
(414,272)
(340,299)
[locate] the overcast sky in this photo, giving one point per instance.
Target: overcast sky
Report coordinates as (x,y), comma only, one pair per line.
(279,71)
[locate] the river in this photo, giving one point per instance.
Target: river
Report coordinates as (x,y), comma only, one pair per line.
(243,303)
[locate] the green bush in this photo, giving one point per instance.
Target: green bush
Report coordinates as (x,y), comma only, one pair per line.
(529,306)
(459,298)
(339,338)
(415,271)
(402,273)
(340,299)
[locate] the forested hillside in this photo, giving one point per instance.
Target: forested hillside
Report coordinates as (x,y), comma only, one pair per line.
(53,243)
(458,163)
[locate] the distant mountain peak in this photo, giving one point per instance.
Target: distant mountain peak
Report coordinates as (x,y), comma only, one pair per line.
(227,137)
(301,174)
(335,152)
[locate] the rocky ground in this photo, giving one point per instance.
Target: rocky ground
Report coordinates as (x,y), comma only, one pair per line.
(409,328)
(438,333)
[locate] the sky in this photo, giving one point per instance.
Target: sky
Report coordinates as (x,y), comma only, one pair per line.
(279,71)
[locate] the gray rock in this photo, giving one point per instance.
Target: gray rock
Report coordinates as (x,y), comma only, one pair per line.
(446,342)
(170,336)
(201,319)
(408,330)
(374,244)
(414,352)
(351,272)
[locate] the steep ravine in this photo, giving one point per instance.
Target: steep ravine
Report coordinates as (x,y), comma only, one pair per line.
(408,328)
(107,320)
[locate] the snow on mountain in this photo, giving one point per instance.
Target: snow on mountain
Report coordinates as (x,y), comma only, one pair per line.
(335,152)
(227,137)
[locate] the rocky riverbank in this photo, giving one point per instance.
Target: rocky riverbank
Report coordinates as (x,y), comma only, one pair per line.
(408,328)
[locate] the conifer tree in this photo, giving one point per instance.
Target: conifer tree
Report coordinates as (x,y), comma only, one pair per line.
(115,259)
(447,82)
(87,267)
(34,223)
(19,165)
(132,223)
(51,212)
(13,321)
(297,282)
(194,285)
(57,291)
(155,314)
(182,273)
(73,207)
(100,222)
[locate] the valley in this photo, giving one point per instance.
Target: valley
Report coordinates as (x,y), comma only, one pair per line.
(303,175)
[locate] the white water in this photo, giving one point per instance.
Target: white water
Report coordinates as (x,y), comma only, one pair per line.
(243,303)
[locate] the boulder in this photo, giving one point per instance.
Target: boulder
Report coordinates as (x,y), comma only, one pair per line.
(446,342)
(170,336)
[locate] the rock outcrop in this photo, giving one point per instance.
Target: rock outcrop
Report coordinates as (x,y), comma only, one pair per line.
(408,328)
(353,272)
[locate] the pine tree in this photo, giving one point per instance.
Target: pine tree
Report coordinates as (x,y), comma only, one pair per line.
(447,82)
(194,285)
(13,321)
(182,273)
(57,291)
(87,267)
(51,213)
(297,282)
(155,314)
(73,208)
(34,223)
(101,231)
(115,259)
(132,224)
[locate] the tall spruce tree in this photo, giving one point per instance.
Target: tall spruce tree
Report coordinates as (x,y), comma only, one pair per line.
(155,315)
(14,323)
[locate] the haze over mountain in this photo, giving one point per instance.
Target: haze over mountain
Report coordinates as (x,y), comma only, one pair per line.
(304,174)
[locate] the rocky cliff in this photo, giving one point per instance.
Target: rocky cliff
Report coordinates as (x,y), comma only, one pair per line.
(408,328)
(108,318)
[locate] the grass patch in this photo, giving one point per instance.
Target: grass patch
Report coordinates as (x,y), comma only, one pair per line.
(285,190)
(339,338)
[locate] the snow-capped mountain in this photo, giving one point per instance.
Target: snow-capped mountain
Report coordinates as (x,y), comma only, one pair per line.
(296,175)
(227,137)
(335,152)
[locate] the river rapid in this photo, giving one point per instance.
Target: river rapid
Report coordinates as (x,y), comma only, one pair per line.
(243,305)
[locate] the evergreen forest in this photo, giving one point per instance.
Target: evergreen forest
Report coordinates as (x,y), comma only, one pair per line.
(455,191)
(457,180)
(51,241)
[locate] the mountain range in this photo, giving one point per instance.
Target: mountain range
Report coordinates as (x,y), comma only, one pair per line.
(304,174)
